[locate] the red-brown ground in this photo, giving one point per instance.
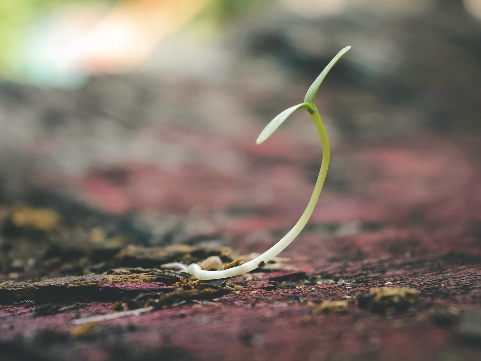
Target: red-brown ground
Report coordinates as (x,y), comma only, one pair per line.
(408,216)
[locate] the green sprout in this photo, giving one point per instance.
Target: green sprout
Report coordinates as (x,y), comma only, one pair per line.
(261,260)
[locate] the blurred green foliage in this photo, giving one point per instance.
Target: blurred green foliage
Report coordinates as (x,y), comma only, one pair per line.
(217,14)
(17,16)
(224,10)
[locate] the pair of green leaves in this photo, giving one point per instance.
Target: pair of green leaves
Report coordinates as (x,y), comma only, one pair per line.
(308,100)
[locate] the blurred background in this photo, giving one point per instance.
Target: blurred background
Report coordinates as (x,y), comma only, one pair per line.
(134,122)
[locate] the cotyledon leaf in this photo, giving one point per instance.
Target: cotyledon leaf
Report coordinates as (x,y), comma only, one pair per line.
(308,100)
(276,122)
(312,91)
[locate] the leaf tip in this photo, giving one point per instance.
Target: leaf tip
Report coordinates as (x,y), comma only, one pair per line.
(312,91)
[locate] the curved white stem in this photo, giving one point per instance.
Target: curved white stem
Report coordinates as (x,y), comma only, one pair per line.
(195,269)
(308,104)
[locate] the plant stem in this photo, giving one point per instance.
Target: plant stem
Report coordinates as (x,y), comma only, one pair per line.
(326,157)
(195,269)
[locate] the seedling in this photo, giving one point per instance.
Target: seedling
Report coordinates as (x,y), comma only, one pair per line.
(261,260)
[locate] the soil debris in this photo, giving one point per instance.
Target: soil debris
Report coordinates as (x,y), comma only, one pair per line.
(332,306)
(388,300)
(109,286)
(83,330)
(213,263)
(143,275)
(34,218)
(190,291)
(49,290)
(233,264)
(150,257)
(187,285)
(117,306)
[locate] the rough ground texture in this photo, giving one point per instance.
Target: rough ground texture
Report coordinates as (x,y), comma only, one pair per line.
(413,225)
(102,185)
